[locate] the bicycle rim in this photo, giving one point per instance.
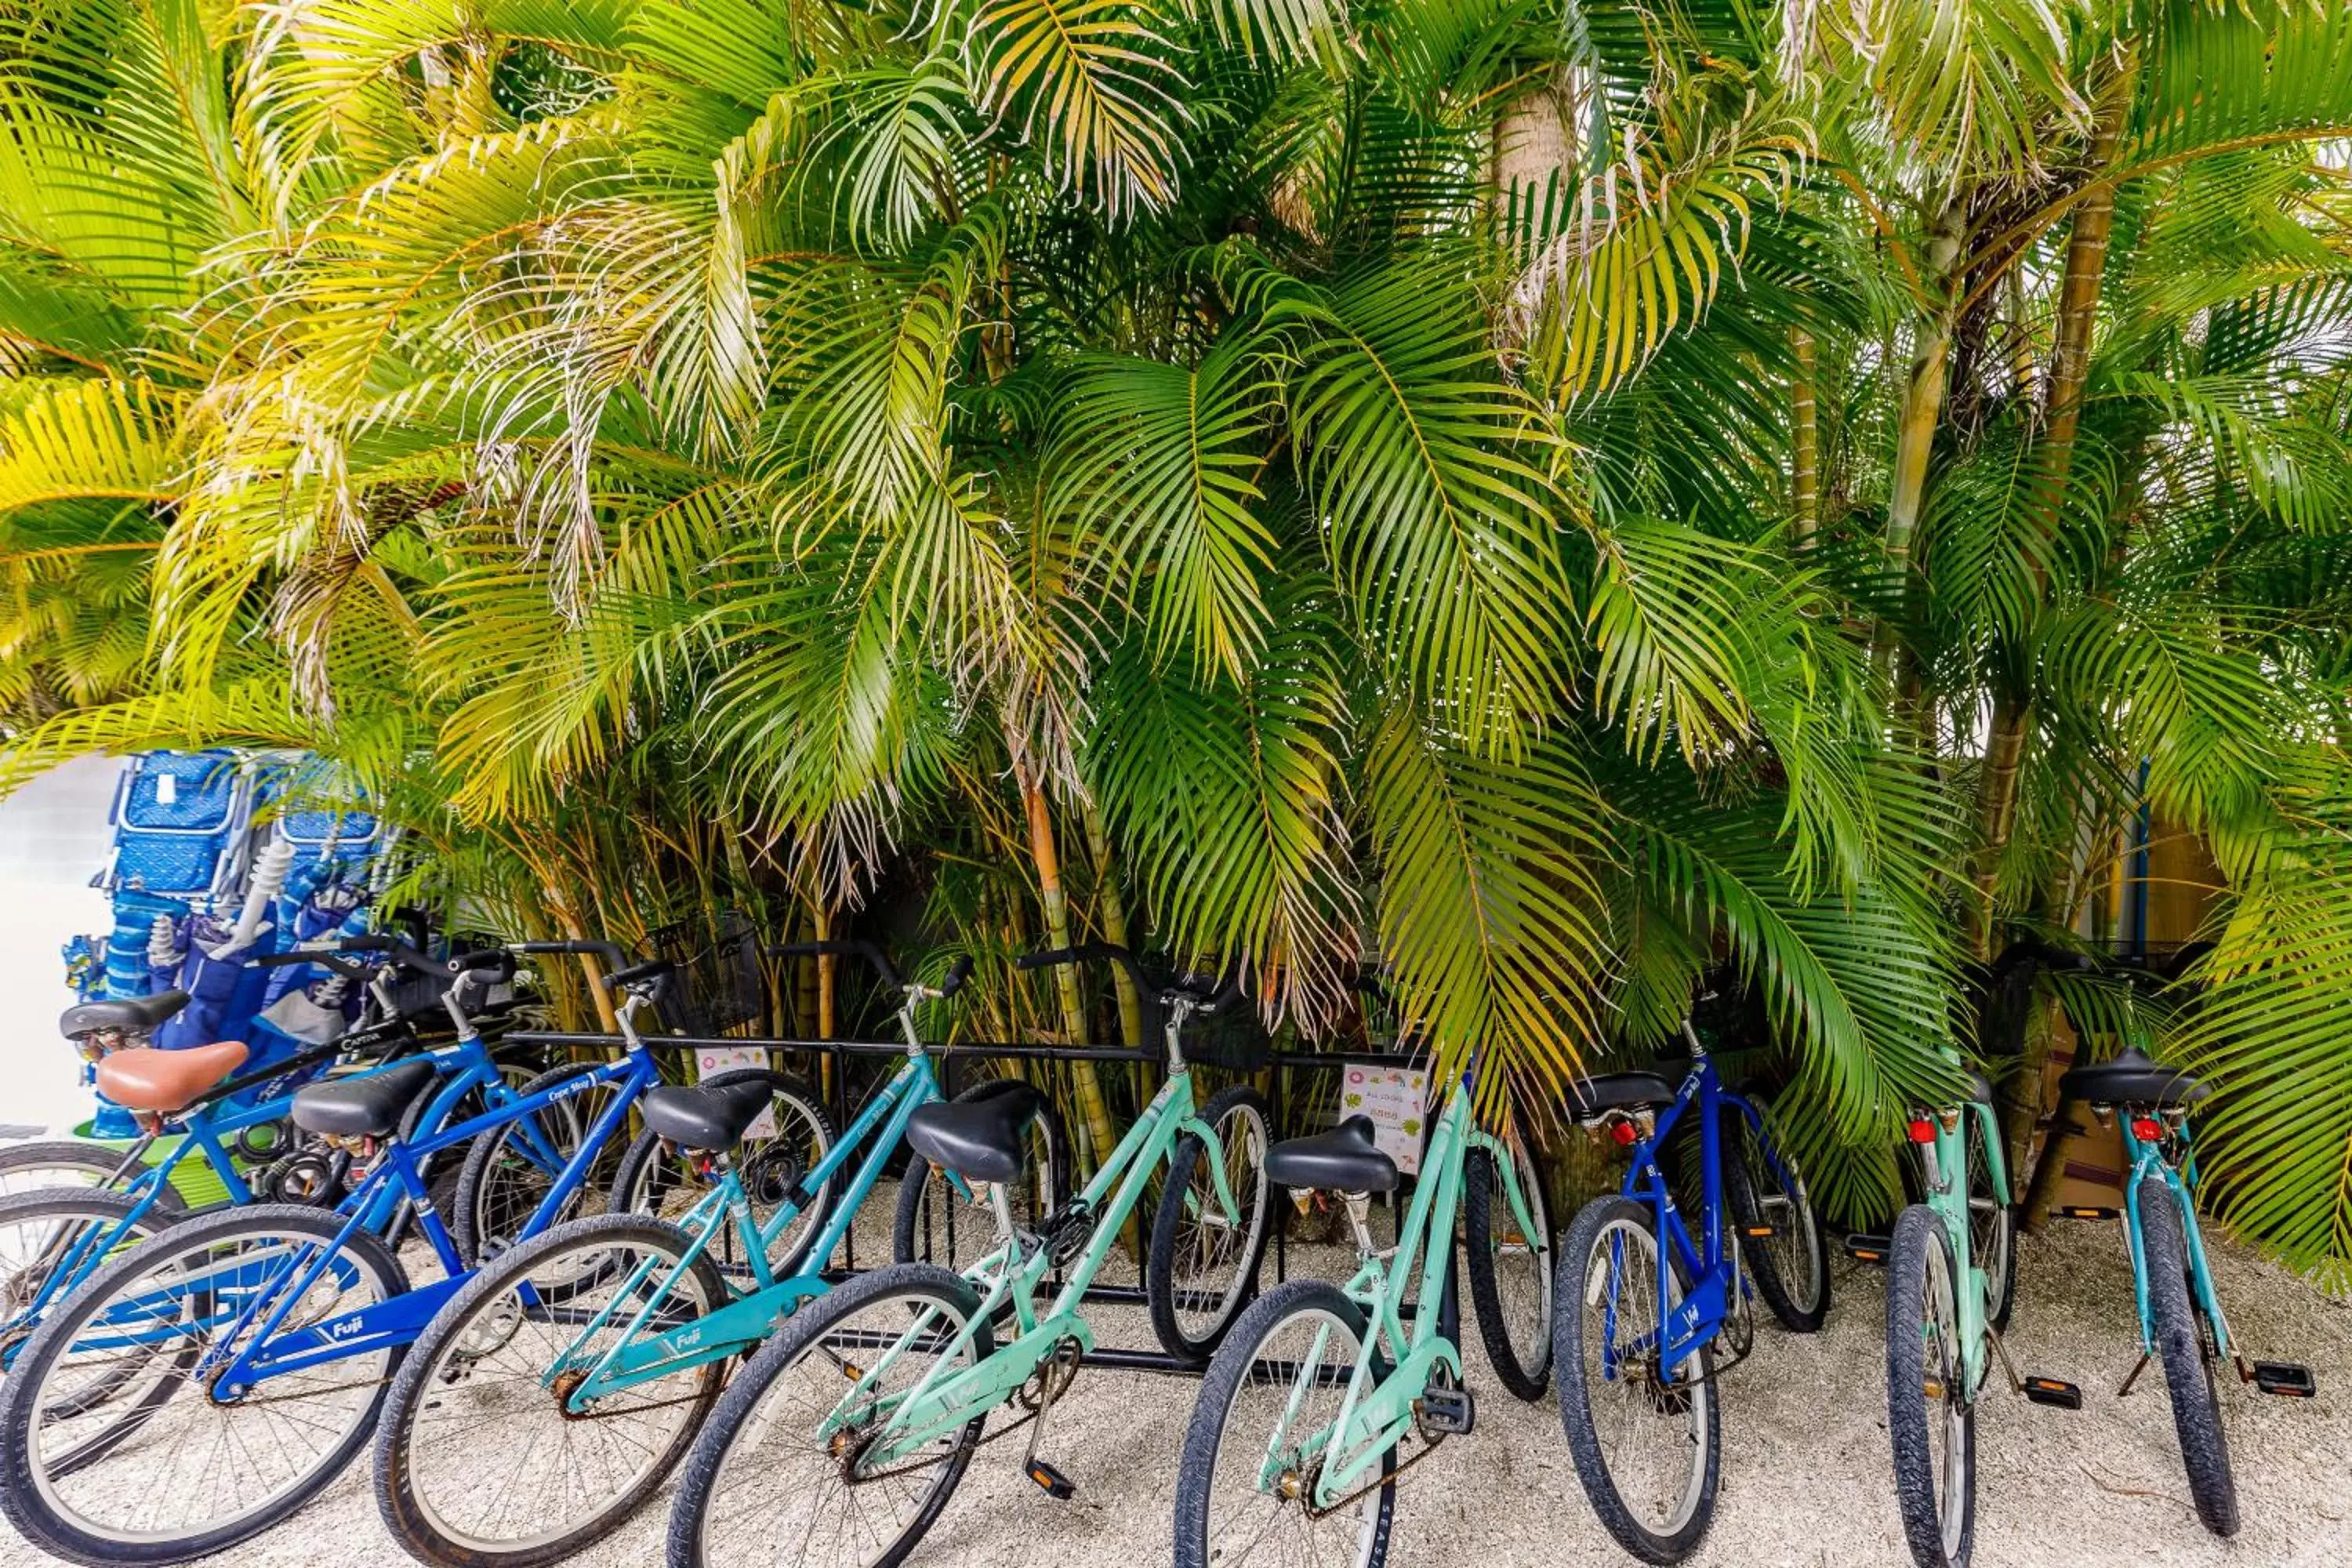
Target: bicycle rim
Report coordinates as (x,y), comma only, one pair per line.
(1652,1437)
(1209,1264)
(1521,1264)
(1794,1248)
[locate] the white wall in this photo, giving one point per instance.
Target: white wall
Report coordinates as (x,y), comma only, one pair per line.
(53,839)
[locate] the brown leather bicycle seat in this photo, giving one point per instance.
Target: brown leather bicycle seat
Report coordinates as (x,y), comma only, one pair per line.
(165,1081)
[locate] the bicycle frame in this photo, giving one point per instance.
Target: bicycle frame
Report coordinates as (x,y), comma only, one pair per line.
(1946,1164)
(640,1357)
(944,1399)
(2147,1158)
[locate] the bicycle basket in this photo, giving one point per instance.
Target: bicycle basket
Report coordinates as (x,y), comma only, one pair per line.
(719,983)
(1235,1039)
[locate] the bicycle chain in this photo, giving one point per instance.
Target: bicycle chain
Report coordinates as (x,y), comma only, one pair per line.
(1431,1447)
(1031,1393)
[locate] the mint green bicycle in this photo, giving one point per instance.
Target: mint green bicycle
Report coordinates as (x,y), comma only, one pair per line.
(1292,1455)
(845,1436)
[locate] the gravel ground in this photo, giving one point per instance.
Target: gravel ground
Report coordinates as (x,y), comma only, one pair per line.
(1805,1471)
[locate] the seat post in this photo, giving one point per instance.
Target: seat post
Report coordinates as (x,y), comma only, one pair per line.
(1698,1050)
(1359,1209)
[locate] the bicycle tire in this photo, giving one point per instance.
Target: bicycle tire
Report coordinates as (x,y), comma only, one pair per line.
(1992,1231)
(73,1159)
(1161,1289)
(1480,1199)
(1918,1256)
(66,1203)
(706,1466)
(1196,1468)
(440,1361)
(1676,1541)
(1748,1212)
(921,1186)
(491,1174)
(28,1498)
(638,1186)
(2180,1346)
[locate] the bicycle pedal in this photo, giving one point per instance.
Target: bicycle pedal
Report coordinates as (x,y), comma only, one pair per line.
(1449,1412)
(2053,1392)
(2286,1379)
(2085,1211)
(1066,1231)
(1051,1481)
(1871,1250)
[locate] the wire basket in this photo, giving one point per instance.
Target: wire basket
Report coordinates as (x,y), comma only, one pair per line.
(717,983)
(1236,1038)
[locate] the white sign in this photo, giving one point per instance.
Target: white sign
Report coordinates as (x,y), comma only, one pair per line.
(712,1059)
(1397,1100)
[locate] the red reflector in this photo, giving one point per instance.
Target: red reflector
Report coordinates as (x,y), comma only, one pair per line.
(1923,1131)
(2146,1130)
(1623,1133)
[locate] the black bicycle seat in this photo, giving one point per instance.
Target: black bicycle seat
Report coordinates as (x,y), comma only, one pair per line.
(133,1013)
(1342,1159)
(979,1140)
(710,1118)
(1589,1097)
(364,1106)
(2132,1078)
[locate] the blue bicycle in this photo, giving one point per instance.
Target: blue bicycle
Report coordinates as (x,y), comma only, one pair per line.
(209,1382)
(186,1102)
(1640,1309)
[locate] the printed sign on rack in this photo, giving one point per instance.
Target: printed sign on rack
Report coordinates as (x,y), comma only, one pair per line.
(713,1060)
(1397,1100)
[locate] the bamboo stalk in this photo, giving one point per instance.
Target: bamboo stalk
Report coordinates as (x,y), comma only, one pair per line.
(1093,1112)
(1804,440)
(1113,910)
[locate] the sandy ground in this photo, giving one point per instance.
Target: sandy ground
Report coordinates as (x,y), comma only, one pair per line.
(1805,1468)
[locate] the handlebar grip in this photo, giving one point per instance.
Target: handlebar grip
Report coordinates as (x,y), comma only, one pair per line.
(842,949)
(365,942)
(1228,994)
(957,974)
(609,951)
(280,960)
(496,963)
(651,969)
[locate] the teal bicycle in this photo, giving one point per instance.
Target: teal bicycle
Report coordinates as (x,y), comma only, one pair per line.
(1292,1454)
(601,1344)
(842,1439)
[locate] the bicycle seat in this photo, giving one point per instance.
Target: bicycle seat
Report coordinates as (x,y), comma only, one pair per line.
(1589,1097)
(133,1013)
(711,1119)
(1342,1159)
(2132,1079)
(365,1107)
(979,1140)
(147,1078)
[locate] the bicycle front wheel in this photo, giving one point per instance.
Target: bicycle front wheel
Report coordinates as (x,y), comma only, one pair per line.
(1648,1445)
(491,1377)
(1204,1264)
(1262,1432)
(114,1446)
(2188,1351)
(792,1464)
(52,1239)
(1510,1272)
(1931,1422)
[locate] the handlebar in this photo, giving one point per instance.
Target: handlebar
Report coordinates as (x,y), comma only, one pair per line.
(865,949)
(613,957)
(1206,993)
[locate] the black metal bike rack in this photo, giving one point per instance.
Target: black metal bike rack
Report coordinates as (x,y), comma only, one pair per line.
(1279,1065)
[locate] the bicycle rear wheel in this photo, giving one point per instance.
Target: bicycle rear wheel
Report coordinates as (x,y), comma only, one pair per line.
(1259,1436)
(158,1470)
(1510,1273)
(2186,1347)
(476,1391)
(512,1168)
(64,1162)
(771,1166)
(1765,1192)
(1649,1452)
(1992,1228)
(781,1473)
(1931,1421)
(935,1224)
(1203,1266)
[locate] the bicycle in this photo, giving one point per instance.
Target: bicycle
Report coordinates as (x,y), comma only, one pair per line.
(51,1238)
(2181,1324)
(613,1371)
(1294,1441)
(859,1418)
(256,1309)
(1640,1308)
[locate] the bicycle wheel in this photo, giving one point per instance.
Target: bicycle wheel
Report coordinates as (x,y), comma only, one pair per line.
(510,1168)
(159,1470)
(51,1240)
(1203,1268)
(1992,1229)
(1790,1264)
(2186,1347)
(1649,1453)
(935,1224)
(64,1162)
(1510,1273)
(1252,1455)
(476,1391)
(1931,1419)
(770,1168)
(780,1473)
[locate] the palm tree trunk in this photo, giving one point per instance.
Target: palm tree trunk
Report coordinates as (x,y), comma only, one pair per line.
(1923,395)
(1094,1114)
(1804,441)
